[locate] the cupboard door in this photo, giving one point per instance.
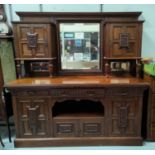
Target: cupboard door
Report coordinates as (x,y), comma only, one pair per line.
(34,40)
(124,116)
(92,127)
(152,119)
(65,127)
(33,116)
(124,40)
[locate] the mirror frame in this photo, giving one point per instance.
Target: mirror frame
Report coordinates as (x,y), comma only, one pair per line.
(80,71)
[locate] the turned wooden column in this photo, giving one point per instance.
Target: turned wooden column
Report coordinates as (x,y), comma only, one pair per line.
(107,67)
(139,68)
(50,68)
(18,67)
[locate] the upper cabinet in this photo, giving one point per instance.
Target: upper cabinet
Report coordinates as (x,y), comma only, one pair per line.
(76,43)
(33,40)
(123,39)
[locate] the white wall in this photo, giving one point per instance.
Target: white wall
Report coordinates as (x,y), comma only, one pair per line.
(148,12)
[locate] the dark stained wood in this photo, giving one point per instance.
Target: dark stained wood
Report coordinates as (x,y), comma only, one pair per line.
(151,108)
(107,110)
(77,110)
(46,24)
(78,141)
(69,81)
(114,32)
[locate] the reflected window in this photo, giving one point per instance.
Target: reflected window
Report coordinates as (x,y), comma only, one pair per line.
(80,45)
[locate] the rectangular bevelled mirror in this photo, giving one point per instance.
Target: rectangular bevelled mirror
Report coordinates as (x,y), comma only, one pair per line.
(80,46)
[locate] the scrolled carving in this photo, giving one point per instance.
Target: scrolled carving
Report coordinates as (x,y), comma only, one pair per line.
(32,39)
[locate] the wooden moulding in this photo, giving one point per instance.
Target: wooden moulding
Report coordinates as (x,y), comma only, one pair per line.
(79,141)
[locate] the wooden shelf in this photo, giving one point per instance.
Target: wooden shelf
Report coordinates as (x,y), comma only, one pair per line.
(75,115)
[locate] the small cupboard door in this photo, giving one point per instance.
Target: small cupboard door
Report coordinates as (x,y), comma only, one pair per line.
(33,116)
(124,40)
(34,40)
(124,116)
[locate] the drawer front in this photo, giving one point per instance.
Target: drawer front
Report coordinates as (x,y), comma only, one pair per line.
(65,128)
(90,127)
(123,92)
(77,92)
(32,93)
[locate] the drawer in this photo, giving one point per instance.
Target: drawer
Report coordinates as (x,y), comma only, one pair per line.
(90,127)
(65,128)
(32,92)
(124,92)
(77,92)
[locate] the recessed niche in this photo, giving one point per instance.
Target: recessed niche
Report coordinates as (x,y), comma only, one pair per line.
(78,108)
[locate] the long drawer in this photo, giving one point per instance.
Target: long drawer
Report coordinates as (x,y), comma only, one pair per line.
(78,92)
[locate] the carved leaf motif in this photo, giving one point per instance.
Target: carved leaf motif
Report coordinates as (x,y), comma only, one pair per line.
(32,39)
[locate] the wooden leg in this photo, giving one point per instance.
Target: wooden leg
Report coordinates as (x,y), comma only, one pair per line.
(1,141)
(9,130)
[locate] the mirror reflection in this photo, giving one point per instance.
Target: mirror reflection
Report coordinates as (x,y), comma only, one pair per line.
(80,45)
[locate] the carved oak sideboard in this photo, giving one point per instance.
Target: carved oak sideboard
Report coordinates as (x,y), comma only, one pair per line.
(77,110)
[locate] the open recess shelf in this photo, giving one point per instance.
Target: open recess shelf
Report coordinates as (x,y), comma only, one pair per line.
(73,109)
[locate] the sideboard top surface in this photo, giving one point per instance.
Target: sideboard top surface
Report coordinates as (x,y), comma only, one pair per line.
(67,81)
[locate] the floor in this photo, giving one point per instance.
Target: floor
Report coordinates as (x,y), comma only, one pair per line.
(10,146)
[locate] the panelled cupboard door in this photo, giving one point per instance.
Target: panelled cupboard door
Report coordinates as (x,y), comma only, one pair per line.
(124,40)
(123,116)
(33,116)
(34,40)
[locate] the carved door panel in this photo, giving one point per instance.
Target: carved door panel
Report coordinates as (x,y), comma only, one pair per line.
(33,117)
(65,127)
(34,40)
(153,117)
(90,127)
(123,116)
(124,40)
